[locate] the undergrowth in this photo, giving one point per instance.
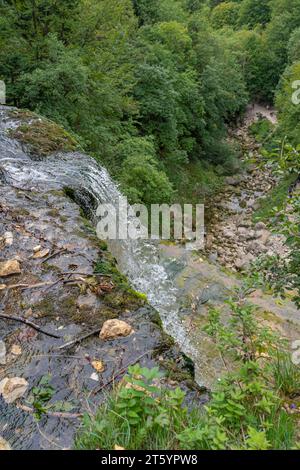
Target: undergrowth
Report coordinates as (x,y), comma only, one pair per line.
(247,409)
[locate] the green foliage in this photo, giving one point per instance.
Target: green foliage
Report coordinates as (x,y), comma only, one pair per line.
(225,14)
(141,414)
(244,411)
(255,12)
(286,375)
(275,201)
(294,46)
(41,396)
(289,112)
(283,274)
(117,71)
(261,130)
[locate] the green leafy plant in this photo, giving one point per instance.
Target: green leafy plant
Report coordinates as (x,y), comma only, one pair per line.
(41,396)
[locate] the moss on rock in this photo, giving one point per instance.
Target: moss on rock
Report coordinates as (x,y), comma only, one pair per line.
(41,135)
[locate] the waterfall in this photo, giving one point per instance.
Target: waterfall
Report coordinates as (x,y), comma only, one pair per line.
(139,260)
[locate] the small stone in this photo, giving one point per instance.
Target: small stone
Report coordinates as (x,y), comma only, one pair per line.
(28,313)
(2,353)
(12,389)
(7,268)
(213,257)
(3,286)
(119,448)
(41,254)
(16,350)
(94,377)
(98,366)
(209,241)
(37,248)
(114,328)
(4,445)
(8,238)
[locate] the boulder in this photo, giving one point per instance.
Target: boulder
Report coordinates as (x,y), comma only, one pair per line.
(228,233)
(233,180)
(257,247)
(260,226)
(243,263)
(263,235)
(7,268)
(12,389)
(115,328)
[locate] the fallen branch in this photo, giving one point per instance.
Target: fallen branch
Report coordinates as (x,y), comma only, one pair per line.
(120,372)
(28,323)
(55,414)
(56,253)
(78,340)
(86,274)
(31,286)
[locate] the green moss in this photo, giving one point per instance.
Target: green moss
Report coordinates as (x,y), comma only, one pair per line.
(53,213)
(21,212)
(50,306)
(103,245)
(166,343)
(173,372)
(42,136)
(138,295)
(270,317)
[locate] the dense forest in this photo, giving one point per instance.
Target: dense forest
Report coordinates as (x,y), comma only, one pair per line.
(149,87)
(154,90)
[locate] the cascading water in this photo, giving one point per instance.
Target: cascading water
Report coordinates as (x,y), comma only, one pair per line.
(140,260)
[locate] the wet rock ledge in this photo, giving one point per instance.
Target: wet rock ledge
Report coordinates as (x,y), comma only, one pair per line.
(55,273)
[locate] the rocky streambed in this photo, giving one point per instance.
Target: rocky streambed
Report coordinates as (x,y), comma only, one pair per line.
(234,238)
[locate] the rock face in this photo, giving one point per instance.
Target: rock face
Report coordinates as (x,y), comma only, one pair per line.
(10,267)
(113,329)
(12,389)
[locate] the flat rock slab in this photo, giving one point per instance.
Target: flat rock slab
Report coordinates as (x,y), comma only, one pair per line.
(10,267)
